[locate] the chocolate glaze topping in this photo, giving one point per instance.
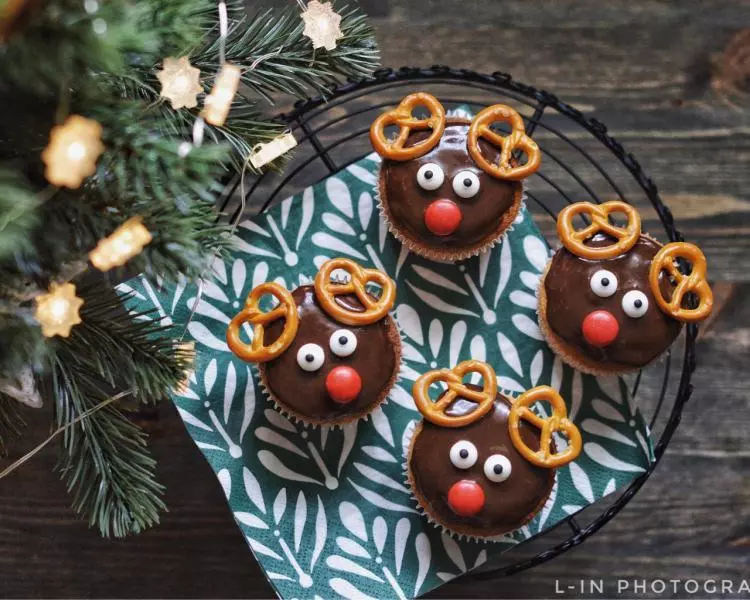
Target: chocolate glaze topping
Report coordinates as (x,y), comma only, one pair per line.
(405,201)
(304,393)
(508,504)
(570,299)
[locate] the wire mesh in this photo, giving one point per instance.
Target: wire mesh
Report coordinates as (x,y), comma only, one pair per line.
(581,162)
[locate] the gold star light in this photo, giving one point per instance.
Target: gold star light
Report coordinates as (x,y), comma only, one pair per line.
(125,242)
(180,83)
(57,311)
(322,24)
(72,152)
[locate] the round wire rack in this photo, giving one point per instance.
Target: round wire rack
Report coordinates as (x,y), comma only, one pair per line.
(581,161)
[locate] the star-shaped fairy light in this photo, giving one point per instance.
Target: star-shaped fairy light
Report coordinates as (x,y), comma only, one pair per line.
(123,244)
(180,82)
(72,152)
(322,24)
(58,310)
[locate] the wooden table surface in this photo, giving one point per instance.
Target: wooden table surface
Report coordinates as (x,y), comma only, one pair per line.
(651,70)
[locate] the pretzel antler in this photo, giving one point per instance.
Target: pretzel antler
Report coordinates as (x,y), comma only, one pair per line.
(517,140)
(521,411)
(256,351)
(694,283)
(402,116)
(435,411)
(375,309)
(599,214)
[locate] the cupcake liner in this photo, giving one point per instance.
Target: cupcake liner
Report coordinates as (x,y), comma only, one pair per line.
(447,255)
(457,535)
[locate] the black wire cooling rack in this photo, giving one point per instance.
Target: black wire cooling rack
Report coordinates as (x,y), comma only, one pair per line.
(581,161)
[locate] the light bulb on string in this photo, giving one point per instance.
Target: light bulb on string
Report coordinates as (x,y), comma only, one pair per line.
(180,82)
(72,151)
(58,310)
(127,241)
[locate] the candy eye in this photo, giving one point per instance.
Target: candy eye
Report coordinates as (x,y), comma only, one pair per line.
(603,283)
(310,357)
(466,184)
(497,468)
(343,342)
(430,176)
(464,454)
(635,304)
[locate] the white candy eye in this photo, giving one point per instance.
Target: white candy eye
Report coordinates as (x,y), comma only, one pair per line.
(603,283)
(466,184)
(430,176)
(497,468)
(310,357)
(635,304)
(464,454)
(343,342)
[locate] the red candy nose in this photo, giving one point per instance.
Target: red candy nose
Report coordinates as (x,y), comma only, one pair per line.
(442,217)
(466,498)
(343,384)
(600,328)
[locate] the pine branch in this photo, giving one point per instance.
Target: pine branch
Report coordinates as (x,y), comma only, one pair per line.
(18,217)
(104,459)
(293,66)
(11,421)
(127,351)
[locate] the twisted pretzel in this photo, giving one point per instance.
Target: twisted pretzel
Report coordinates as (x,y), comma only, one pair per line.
(375,308)
(574,239)
(402,116)
(256,351)
(435,411)
(521,411)
(517,140)
(695,282)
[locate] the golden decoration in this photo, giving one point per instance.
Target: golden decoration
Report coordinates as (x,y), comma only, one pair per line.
(322,24)
(262,154)
(187,348)
(180,82)
(123,244)
(219,101)
(72,152)
(58,310)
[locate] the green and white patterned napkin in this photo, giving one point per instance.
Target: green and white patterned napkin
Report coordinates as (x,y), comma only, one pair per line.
(326,511)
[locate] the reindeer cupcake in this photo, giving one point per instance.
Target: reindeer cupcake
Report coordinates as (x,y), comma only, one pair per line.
(450,188)
(481,464)
(328,353)
(613,299)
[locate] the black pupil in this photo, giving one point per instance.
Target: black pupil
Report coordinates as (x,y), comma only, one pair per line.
(309,357)
(467,182)
(637,303)
(498,469)
(343,340)
(605,281)
(428,174)
(464,453)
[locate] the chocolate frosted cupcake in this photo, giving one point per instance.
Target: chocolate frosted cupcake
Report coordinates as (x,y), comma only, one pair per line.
(329,353)
(613,299)
(449,188)
(479,464)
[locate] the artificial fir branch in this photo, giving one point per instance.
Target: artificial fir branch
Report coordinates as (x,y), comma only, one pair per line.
(104,459)
(63,60)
